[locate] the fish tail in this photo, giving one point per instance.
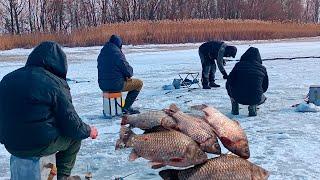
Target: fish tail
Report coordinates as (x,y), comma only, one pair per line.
(124,120)
(169,174)
(126,135)
(174,108)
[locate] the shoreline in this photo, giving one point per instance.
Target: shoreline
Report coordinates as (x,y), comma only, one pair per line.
(20,54)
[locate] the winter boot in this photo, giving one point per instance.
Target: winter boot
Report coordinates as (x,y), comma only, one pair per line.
(131,97)
(205,82)
(214,85)
(235,108)
(252,110)
(205,86)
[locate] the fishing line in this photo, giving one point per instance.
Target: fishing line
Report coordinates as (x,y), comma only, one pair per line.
(284,58)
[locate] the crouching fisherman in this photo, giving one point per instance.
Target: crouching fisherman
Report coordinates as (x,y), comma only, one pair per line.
(247,82)
(114,73)
(37,117)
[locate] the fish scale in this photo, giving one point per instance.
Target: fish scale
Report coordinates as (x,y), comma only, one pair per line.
(219,121)
(191,127)
(224,167)
(149,120)
(198,130)
(154,139)
(166,147)
(229,132)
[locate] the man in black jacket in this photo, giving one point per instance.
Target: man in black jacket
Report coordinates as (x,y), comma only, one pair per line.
(114,73)
(247,82)
(209,52)
(37,117)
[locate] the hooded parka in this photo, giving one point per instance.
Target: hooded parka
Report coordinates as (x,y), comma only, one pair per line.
(248,80)
(35,102)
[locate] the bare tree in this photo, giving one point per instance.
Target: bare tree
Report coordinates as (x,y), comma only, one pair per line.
(21,16)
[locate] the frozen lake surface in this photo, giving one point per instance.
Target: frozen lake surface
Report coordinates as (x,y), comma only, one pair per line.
(284,142)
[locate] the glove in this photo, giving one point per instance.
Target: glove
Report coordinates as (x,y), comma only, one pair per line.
(93,132)
(225,75)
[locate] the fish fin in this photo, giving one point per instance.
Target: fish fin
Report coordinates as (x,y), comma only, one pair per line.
(197,116)
(168,112)
(168,122)
(199,107)
(155,129)
(205,119)
(126,135)
(124,120)
(176,159)
(133,155)
(176,128)
(236,122)
(119,145)
(169,174)
(174,108)
(226,141)
(156,165)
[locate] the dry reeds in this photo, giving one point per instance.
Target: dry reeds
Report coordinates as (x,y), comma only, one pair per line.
(168,32)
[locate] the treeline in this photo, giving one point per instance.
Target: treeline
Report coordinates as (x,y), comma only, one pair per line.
(66,16)
(167,32)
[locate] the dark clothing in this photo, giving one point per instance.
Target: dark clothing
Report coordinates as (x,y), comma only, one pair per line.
(116,40)
(248,80)
(208,72)
(210,52)
(67,149)
(36,106)
(113,68)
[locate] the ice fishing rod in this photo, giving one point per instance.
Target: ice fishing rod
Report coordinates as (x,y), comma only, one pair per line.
(151,109)
(283,58)
(122,178)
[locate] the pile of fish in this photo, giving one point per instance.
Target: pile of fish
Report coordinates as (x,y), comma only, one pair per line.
(178,139)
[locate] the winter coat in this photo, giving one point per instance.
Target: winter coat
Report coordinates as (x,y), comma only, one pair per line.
(36,105)
(113,68)
(248,80)
(211,51)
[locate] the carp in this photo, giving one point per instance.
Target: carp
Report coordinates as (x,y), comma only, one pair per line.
(149,120)
(168,147)
(229,131)
(229,167)
(197,129)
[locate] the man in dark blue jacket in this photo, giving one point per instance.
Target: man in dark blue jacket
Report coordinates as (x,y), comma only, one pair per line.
(114,73)
(247,82)
(37,117)
(210,52)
